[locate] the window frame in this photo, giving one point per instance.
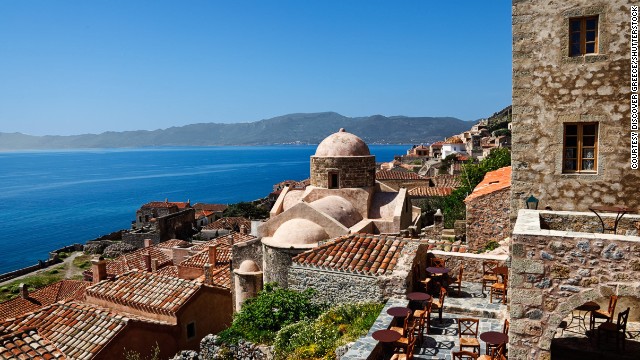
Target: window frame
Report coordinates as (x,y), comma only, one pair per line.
(579,148)
(331,184)
(583,35)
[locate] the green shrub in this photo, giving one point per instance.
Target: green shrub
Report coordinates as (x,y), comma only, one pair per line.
(491,245)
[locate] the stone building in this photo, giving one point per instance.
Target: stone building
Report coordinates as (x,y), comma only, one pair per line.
(571,105)
(571,150)
(487,209)
(342,198)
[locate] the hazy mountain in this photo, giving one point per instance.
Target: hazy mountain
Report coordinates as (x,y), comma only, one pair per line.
(288,129)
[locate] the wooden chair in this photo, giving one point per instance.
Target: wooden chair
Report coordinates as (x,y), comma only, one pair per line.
(602,314)
(500,288)
(439,303)
(468,334)
(618,329)
(496,354)
(505,330)
(420,319)
(408,354)
(489,276)
(402,329)
(406,340)
(438,262)
(464,355)
(457,280)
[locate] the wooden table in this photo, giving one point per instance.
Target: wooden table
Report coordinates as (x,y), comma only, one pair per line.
(494,338)
(619,210)
(386,336)
(438,270)
(418,296)
(399,312)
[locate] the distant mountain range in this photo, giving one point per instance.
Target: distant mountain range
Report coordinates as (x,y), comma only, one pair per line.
(288,129)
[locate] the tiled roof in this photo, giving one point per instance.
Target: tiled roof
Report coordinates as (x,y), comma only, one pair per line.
(452,181)
(224,239)
(28,344)
(397,175)
(426,191)
(210,207)
(437,144)
(203,213)
(171,243)
(493,181)
(454,140)
(61,290)
(461,157)
(362,253)
(229,223)
(145,291)
(223,256)
(221,277)
(135,260)
(158,205)
(79,330)
(171,270)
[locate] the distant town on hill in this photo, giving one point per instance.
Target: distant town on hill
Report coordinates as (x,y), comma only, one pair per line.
(308,128)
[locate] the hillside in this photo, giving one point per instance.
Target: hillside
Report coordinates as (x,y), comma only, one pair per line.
(287,129)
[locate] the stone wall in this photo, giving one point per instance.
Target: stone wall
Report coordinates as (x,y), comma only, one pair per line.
(335,286)
(279,263)
(354,171)
(553,272)
(551,89)
(136,238)
(212,348)
(488,218)
(178,225)
(588,222)
(247,250)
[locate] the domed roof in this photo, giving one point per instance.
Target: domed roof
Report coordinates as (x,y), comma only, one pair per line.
(342,143)
(248,266)
(298,232)
(338,208)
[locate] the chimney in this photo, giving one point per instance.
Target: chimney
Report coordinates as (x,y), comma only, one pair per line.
(230,238)
(24,291)
(213,254)
(148,243)
(207,274)
(99,269)
(154,265)
(243,230)
(147,261)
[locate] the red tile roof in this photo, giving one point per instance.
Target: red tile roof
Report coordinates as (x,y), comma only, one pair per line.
(169,271)
(224,239)
(426,191)
(397,175)
(158,205)
(28,344)
(79,330)
(145,291)
(454,140)
(452,181)
(135,260)
(361,253)
(61,290)
(437,144)
(221,277)
(171,243)
(229,223)
(202,258)
(203,213)
(493,181)
(210,207)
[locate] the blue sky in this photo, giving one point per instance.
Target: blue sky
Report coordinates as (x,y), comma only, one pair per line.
(75,67)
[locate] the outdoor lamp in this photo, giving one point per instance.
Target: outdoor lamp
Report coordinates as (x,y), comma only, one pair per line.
(531,201)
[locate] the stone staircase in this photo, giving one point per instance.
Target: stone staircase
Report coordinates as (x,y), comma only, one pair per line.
(448,235)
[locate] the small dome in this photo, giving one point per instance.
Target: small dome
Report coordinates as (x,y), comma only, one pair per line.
(338,208)
(298,232)
(342,143)
(248,266)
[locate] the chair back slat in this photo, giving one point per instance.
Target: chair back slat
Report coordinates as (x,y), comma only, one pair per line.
(613,300)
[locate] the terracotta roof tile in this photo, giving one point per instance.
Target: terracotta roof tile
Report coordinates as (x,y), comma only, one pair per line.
(452,181)
(397,175)
(437,144)
(221,277)
(426,191)
(171,243)
(171,270)
(493,181)
(454,140)
(135,260)
(202,258)
(28,344)
(210,207)
(145,291)
(158,205)
(362,253)
(61,290)
(61,323)
(229,223)
(224,239)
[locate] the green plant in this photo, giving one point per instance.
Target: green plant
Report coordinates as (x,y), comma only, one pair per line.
(82,261)
(134,355)
(63,255)
(33,282)
(246,209)
(491,245)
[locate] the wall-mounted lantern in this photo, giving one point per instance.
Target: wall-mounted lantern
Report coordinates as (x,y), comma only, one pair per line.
(532,203)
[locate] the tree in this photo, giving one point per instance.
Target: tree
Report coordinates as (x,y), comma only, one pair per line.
(247,210)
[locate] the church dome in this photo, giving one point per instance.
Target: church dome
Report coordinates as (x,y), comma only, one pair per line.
(298,232)
(342,143)
(338,208)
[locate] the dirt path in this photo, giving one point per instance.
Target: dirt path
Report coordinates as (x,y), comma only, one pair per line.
(70,270)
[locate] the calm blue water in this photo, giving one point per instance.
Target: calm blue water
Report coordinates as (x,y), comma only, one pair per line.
(56,198)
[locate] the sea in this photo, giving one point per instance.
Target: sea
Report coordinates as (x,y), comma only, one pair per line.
(50,199)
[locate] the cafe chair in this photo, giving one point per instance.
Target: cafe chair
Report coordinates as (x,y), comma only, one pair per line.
(496,354)
(402,329)
(420,319)
(425,283)
(464,355)
(468,334)
(408,354)
(616,330)
(406,340)
(602,314)
(457,280)
(438,262)
(500,288)
(489,276)
(438,304)
(505,330)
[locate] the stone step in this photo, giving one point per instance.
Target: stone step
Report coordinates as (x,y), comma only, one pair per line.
(448,232)
(451,238)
